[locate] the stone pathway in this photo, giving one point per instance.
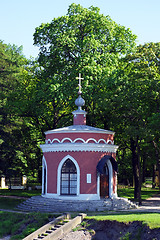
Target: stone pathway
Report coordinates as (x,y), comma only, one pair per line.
(151,204)
(15,197)
(12,211)
(153,201)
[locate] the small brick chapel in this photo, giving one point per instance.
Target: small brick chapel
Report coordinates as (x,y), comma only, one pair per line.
(79,160)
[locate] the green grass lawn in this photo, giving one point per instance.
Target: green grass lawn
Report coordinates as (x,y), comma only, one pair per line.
(19,193)
(19,225)
(128,192)
(151,219)
(9,203)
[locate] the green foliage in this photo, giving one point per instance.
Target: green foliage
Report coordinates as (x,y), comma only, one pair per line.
(19,152)
(126,236)
(135,104)
(82,41)
(11,64)
(121,89)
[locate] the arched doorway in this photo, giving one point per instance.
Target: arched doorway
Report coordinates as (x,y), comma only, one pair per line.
(104,183)
(107,168)
(68,182)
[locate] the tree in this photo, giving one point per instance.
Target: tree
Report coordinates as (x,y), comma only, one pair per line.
(82,41)
(20,102)
(11,61)
(136,103)
(19,139)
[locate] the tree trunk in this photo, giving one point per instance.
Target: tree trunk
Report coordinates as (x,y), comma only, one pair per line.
(144,168)
(10,184)
(157,151)
(153,176)
(136,170)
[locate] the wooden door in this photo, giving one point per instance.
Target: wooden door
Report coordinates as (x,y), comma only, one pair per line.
(104,184)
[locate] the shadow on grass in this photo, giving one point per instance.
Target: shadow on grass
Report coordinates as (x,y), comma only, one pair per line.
(9,203)
(19,193)
(128,192)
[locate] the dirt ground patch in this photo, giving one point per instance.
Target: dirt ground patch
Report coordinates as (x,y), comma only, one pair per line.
(116,230)
(107,230)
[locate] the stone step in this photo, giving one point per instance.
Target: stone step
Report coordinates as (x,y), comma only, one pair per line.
(39,203)
(58,227)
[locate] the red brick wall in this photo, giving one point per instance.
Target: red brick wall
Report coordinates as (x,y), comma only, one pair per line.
(87,162)
(79,119)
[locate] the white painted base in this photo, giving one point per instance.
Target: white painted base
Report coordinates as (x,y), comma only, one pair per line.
(77,197)
(114,195)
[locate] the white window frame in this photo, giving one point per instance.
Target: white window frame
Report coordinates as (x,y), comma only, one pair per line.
(59,174)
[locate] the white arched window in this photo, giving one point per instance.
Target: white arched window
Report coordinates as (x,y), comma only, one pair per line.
(68,177)
(68,184)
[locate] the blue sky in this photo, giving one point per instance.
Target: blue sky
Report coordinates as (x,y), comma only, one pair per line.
(19,18)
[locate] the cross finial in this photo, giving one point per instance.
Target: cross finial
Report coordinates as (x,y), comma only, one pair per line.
(79,78)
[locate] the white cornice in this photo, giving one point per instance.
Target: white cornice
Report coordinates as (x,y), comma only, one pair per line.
(78,147)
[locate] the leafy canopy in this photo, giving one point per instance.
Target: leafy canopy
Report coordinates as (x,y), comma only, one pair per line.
(81,41)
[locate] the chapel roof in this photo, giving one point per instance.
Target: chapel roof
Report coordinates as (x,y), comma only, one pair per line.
(79,128)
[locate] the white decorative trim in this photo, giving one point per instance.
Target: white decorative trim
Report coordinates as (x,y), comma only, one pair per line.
(59,173)
(78,147)
(66,139)
(110,142)
(44,165)
(78,139)
(102,140)
(78,197)
(49,141)
(91,139)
